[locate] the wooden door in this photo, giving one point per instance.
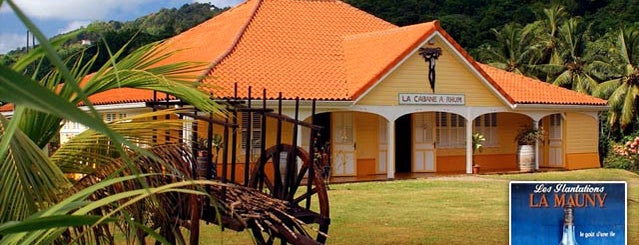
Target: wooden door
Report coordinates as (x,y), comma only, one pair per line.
(343,140)
(555,146)
(382,158)
(424,142)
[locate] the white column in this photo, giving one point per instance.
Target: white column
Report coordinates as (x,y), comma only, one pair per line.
(187,129)
(536,127)
(469,146)
(299,136)
(390,152)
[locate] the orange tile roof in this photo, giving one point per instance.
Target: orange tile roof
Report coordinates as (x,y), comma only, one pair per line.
(295,47)
(211,40)
(526,90)
(114,96)
(121,95)
(326,50)
(369,56)
(6,108)
(125,95)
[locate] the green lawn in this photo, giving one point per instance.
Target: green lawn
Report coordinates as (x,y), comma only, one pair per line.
(442,210)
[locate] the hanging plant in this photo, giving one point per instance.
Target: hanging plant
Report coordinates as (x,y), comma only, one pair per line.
(528,135)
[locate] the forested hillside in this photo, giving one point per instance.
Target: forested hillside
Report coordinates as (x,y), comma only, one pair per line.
(470,21)
(154,27)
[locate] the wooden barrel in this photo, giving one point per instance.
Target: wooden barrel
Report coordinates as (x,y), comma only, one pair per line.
(203,168)
(526,158)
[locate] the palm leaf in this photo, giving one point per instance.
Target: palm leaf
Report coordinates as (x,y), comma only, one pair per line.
(564,79)
(628,110)
(617,98)
(51,221)
(89,150)
(605,90)
(587,84)
(29,181)
(75,210)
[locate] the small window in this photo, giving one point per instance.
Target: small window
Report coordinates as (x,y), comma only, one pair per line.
(487,126)
(555,126)
(256,130)
(110,117)
(451,132)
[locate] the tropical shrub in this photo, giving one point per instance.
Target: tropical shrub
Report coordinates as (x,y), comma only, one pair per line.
(624,156)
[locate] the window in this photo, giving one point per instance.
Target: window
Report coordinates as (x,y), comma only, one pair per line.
(487,125)
(451,130)
(110,117)
(70,125)
(256,130)
(555,126)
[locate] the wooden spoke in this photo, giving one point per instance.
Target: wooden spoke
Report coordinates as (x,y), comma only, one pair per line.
(305,195)
(291,186)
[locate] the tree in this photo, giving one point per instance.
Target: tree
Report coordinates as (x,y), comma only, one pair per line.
(546,32)
(572,68)
(512,51)
(622,90)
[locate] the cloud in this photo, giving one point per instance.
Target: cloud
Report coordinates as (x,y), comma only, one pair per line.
(75,9)
(74,25)
(220,3)
(10,41)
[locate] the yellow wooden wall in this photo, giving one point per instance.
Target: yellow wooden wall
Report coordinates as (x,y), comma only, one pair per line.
(508,125)
(366,126)
(499,157)
(161,135)
(580,145)
(453,77)
(582,133)
(271,132)
(581,141)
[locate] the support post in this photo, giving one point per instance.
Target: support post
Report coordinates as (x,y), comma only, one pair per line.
(390,156)
(469,146)
(247,139)
(536,127)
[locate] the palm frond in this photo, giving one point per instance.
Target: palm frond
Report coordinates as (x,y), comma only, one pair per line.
(586,84)
(89,150)
(75,211)
(628,112)
(602,71)
(606,89)
(28,180)
(564,79)
(152,210)
(617,98)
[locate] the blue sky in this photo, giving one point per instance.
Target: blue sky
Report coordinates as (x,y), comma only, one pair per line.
(60,16)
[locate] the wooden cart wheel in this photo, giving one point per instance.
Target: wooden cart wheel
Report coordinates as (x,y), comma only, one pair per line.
(288,182)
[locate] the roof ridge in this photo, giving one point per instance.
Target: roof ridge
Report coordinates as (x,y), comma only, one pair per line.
(385,31)
(499,75)
(236,40)
(476,65)
(410,44)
